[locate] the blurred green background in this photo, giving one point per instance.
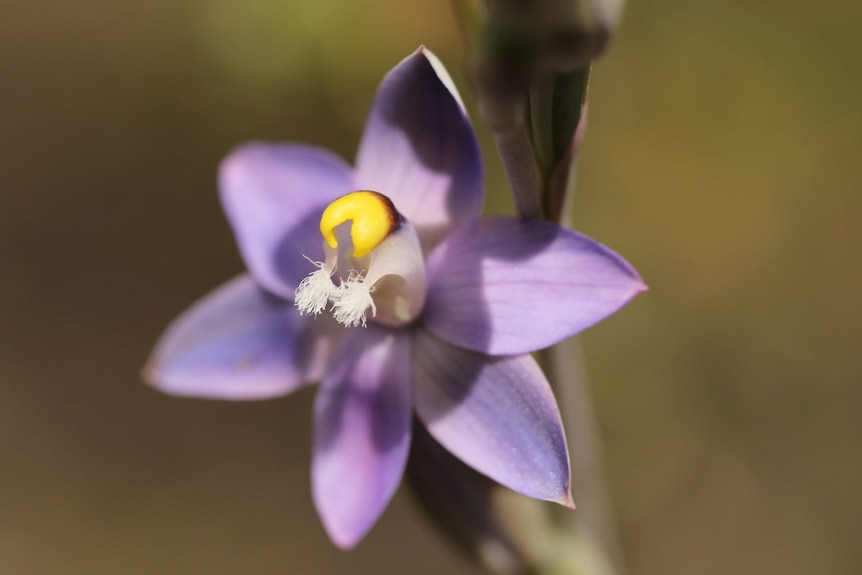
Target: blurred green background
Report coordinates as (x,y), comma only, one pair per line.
(722,159)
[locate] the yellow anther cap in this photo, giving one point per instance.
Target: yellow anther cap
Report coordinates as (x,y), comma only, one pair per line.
(373,215)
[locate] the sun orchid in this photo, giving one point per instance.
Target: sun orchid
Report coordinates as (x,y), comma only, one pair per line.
(383,283)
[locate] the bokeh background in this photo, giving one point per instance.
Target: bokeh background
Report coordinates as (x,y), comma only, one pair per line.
(722,159)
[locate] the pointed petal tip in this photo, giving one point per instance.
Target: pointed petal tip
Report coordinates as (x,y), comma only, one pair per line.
(638,285)
(232,161)
(426,52)
(148,374)
(151,375)
(637,288)
(567,500)
(342,539)
(345,526)
(443,75)
(344,531)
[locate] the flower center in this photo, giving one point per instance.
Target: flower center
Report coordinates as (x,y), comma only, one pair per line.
(377,252)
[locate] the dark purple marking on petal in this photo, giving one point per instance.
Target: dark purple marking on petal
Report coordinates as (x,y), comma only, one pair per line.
(420,150)
(497,414)
(240,343)
(507,286)
(274,195)
(362,419)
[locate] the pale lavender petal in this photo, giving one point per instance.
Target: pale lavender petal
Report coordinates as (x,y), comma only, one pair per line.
(507,286)
(362,417)
(274,195)
(420,150)
(239,342)
(497,414)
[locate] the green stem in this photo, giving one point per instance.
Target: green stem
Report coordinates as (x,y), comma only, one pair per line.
(565,364)
(541,107)
(516,154)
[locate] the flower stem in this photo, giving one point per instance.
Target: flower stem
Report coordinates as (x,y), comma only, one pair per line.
(516,153)
(566,369)
(593,525)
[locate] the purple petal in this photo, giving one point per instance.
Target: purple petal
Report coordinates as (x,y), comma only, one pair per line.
(273,196)
(362,417)
(420,150)
(497,414)
(508,286)
(238,342)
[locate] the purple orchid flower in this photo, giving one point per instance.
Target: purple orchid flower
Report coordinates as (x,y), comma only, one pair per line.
(418,304)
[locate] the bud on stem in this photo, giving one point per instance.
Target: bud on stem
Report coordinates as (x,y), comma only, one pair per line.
(529,65)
